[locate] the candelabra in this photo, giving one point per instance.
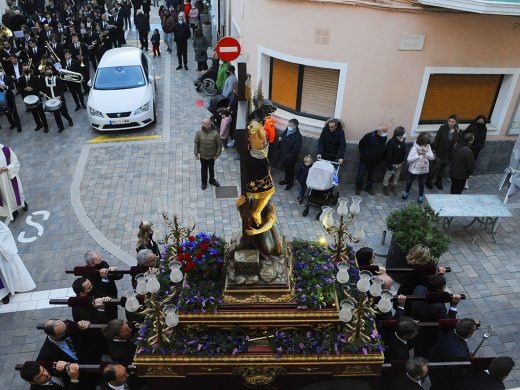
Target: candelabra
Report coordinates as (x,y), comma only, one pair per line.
(160,309)
(357,307)
(340,233)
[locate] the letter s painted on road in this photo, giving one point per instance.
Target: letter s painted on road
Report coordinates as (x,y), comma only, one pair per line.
(45,216)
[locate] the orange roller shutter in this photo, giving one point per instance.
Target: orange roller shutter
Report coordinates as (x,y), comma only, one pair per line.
(284,83)
(466,95)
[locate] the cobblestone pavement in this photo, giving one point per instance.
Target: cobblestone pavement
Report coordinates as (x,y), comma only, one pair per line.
(121,183)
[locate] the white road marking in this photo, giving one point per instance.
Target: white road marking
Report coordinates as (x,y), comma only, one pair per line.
(21,237)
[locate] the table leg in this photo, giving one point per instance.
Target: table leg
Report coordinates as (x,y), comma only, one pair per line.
(494,228)
(446,223)
(475,219)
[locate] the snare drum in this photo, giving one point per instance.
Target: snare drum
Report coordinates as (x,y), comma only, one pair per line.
(52,105)
(32,101)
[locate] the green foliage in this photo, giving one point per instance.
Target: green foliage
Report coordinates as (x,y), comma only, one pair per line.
(414,225)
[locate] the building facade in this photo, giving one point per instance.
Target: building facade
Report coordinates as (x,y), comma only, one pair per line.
(370,62)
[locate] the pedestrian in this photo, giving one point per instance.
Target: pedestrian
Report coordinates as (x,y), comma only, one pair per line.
(395,159)
(445,139)
(462,164)
(372,149)
(181,34)
(156,42)
(231,82)
(14,277)
(290,143)
(221,75)
(145,238)
(225,125)
(200,47)
(208,147)
(332,143)
(302,177)
(419,159)
(479,130)
(142,24)
(194,18)
(168,25)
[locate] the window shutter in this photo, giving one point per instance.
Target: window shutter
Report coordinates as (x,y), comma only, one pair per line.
(319,90)
(284,83)
(466,95)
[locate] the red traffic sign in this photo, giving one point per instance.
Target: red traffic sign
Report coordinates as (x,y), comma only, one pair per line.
(228,48)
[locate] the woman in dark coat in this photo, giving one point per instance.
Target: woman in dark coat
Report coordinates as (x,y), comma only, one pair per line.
(200,47)
(479,130)
(290,145)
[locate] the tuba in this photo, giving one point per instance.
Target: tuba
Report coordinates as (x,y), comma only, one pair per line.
(73,77)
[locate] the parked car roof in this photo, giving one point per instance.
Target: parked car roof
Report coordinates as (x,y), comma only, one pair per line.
(121,56)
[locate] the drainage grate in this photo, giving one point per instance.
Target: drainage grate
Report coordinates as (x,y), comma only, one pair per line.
(224,192)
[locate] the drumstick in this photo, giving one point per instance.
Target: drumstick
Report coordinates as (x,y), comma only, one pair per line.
(41,93)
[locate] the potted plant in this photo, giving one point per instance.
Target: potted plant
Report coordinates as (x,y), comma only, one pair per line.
(414,225)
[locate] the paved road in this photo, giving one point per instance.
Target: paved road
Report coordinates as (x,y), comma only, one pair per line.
(97,193)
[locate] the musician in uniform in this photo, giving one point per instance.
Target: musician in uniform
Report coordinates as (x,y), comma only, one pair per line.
(14,70)
(30,84)
(74,88)
(6,52)
(79,51)
(34,52)
(7,85)
(54,88)
(56,47)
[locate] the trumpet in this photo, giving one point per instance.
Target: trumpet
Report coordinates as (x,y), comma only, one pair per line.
(67,75)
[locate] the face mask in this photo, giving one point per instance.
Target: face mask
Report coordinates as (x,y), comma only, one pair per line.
(63,337)
(400,139)
(289,129)
(383,135)
(1,74)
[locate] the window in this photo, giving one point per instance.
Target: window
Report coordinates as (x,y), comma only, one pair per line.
(466,95)
(119,77)
(305,90)
(144,62)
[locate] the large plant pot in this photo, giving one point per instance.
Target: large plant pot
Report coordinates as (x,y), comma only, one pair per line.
(396,258)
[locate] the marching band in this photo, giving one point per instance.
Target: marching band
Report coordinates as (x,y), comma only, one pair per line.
(47,50)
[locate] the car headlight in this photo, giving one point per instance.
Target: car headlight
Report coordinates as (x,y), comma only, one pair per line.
(143,108)
(95,112)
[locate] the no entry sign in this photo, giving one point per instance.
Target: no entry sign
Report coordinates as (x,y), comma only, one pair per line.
(228,49)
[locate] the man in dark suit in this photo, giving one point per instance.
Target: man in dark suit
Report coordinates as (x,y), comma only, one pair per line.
(75,88)
(95,310)
(451,346)
(7,85)
(14,70)
(491,379)
(397,341)
(120,347)
(34,52)
(32,85)
(181,34)
(56,47)
(80,53)
(54,88)
(61,343)
(104,282)
(115,377)
(42,379)
(6,52)
(426,311)
(416,371)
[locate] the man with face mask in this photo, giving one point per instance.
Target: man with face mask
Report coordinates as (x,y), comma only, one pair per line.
(54,89)
(181,34)
(372,149)
(208,147)
(479,130)
(7,86)
(30,84)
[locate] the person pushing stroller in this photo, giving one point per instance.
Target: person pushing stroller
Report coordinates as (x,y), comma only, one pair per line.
(332,143)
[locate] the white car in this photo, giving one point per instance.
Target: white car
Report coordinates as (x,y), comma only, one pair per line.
(122,94)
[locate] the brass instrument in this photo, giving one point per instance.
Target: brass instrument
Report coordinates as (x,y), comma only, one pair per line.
(52,54)
(5,32)
(29,64)
(67,75)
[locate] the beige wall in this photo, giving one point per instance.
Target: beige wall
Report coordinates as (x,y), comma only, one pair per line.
(382,83)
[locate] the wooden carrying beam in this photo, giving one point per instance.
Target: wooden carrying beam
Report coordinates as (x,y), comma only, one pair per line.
(426,270)
(445,324)
(480,363)
(80,301)
(84,271)
(82,367)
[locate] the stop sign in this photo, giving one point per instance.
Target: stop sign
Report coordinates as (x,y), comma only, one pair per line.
(228,49)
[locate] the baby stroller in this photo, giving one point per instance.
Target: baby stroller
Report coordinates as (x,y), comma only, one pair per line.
(214,104)
(321,182)
(207,83)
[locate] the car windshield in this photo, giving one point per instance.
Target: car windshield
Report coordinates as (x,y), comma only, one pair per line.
(119,77)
